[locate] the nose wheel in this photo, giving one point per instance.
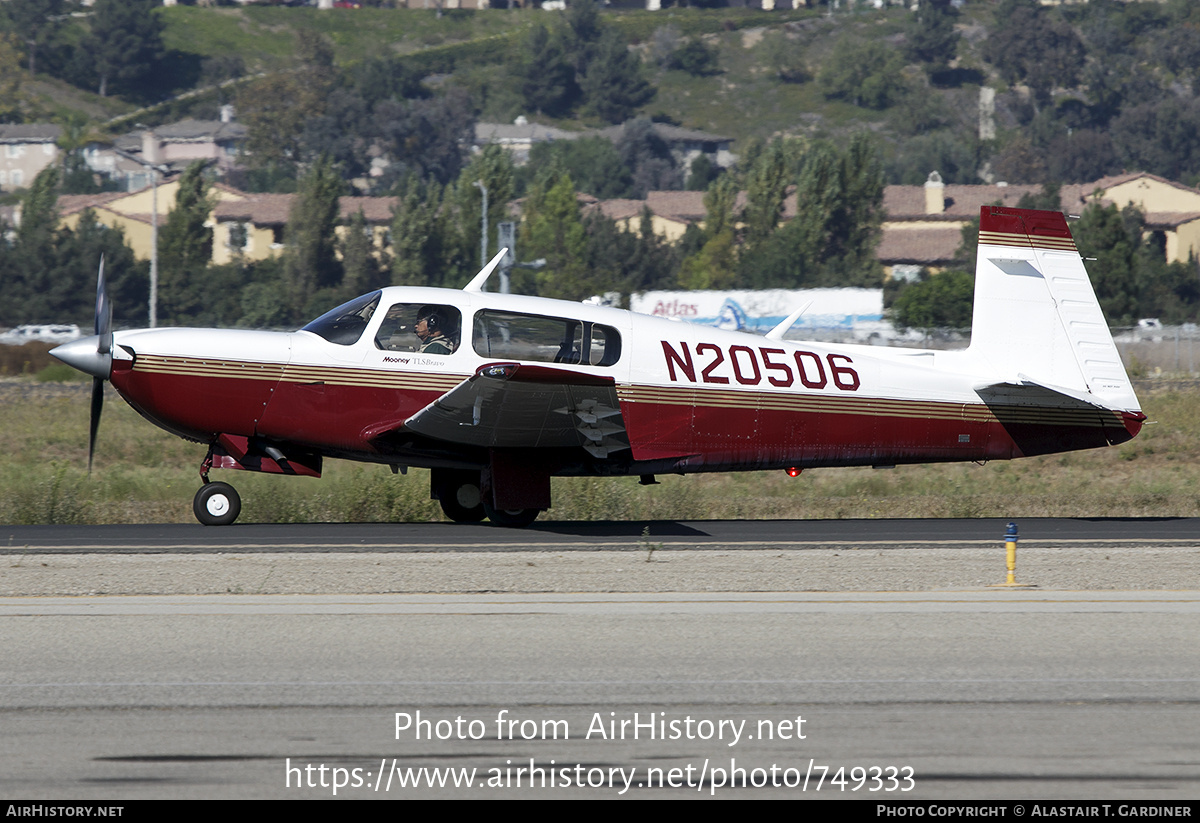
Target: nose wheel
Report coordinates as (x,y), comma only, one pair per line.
(217,504)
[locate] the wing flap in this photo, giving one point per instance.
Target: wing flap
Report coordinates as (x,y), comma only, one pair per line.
(509,405)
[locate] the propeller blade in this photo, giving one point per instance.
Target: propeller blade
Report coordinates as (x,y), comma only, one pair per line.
(103,313)
(97,407)
(104,350)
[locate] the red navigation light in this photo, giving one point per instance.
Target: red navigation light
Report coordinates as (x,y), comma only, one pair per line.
(792,471)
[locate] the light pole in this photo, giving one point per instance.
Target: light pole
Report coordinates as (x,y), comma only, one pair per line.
(153,246)
(154,170)
(483,244)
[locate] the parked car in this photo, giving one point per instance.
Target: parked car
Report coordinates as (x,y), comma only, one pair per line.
(45,333)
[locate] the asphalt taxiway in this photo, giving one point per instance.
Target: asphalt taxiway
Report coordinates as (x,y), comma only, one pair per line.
(257,662)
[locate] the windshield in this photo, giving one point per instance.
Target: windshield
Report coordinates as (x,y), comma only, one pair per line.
(345,324)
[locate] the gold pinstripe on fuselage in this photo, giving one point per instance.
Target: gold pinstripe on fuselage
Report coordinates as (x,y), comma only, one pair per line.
(782,401)
(868,406)
(297,373)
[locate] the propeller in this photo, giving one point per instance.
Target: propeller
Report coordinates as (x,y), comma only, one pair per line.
(93,355)
(104,349)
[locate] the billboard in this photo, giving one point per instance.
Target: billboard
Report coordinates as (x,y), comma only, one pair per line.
(760,311)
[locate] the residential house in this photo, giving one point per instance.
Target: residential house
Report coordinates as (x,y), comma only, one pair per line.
(1172,209)
(685,144)
(671,212)
(254,226)
(174,146)
(519,137)
(132,211)
(24,151)
(923,227)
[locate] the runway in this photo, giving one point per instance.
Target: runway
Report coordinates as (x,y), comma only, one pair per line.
(697,535)
(272,662)
(971,694)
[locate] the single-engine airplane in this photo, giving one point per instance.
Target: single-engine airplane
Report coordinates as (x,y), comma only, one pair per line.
(498,393)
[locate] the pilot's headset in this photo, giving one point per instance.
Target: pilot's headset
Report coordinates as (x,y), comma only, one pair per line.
(432,316)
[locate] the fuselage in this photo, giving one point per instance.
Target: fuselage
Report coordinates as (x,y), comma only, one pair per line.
(691,398)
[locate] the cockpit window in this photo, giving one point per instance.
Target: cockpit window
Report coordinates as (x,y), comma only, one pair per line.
(425,328)
(345,324)
(545,339)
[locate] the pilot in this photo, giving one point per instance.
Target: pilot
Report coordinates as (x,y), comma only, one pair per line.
(432,327)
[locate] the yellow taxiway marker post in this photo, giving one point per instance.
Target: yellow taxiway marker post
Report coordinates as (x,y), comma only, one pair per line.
(1010,545)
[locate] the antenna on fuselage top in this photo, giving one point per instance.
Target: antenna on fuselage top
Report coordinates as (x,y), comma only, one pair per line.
(478,280)
(779,331)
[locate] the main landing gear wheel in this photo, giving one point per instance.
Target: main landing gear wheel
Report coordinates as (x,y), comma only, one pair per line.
(511,518)
(217,504)
(463,502)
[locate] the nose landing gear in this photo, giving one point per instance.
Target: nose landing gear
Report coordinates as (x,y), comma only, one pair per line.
(217,504)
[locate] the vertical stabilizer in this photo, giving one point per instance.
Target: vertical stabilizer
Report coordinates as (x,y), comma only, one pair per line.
(1036,317)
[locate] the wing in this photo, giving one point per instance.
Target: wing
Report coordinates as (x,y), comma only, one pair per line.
(509,405)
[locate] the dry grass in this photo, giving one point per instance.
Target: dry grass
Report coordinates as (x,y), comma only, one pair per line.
(144,475)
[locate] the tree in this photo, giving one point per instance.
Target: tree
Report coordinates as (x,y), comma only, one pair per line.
(12,102)
(35,22)
(1049,198)
(943,301)
(593,163)
(863,73)
(1034,47)
(1162,139)
(545,74)
(696,58)
(310,260)
(428,137)
(553,229)
(839,211)
(581,30)
(714,266)
(784,56)
(30,279)
(279,109)
(766,187)
(493,167)
(1130,274)
(612,84)
(932,39)
(626,260)
(648,158)
(1020,162)
(125,43)
(48,274)
(853,226)
(1081,156)
(424,243)
(360,257)
(185,245)
(39,214)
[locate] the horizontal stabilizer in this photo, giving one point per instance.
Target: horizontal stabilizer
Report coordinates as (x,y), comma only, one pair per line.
(1026,392)
(1025,405)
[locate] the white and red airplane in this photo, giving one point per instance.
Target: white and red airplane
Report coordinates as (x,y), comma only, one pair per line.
(498,393)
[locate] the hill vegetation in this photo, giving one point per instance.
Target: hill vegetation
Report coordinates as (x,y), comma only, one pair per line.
(833,102)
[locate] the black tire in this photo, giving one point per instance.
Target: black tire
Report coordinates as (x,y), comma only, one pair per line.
(463,502)
(511,518)
(217,504)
